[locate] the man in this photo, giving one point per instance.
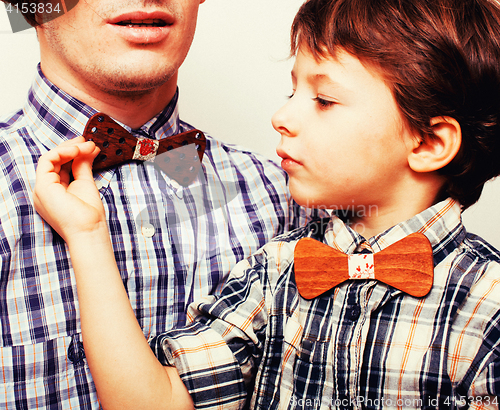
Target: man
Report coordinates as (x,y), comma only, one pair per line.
(173,243)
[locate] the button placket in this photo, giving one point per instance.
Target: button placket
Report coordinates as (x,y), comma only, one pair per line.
(359,317)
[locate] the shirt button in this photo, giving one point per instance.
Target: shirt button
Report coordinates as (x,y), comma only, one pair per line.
(98,185)
(353,313)
(148,230)
(76,353)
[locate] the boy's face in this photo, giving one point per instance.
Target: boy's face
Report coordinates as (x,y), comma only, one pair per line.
(343,139)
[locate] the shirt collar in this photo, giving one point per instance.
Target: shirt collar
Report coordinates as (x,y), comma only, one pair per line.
(55,116)
(441,224)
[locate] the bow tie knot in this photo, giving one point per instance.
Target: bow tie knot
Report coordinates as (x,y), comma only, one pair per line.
(406,265)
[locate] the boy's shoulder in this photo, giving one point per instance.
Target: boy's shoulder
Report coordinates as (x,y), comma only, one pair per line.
(482,248)
(480,257)
(276,257)
(470,275)
(315,227)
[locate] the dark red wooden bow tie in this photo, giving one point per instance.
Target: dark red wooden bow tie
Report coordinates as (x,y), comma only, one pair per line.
(406,265)
(178,156)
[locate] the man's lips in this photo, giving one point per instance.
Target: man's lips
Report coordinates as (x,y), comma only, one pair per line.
(142,23)
(143,18)
(142,27)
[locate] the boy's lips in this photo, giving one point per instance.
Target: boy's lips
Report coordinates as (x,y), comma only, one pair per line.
(142,27)
(288,163)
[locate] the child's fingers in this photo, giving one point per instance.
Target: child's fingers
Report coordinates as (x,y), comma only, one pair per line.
(68,207)
(64,153)
(50,165)
(82,165)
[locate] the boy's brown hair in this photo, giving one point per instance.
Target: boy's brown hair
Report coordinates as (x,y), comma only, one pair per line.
(439,57)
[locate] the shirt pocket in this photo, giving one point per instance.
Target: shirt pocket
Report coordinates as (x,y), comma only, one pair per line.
(49,374)
(307,370)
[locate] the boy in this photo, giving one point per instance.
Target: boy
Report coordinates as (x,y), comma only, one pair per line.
(393,121)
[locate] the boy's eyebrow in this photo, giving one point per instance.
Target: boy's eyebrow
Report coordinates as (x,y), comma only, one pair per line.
(324,78)
(316,78)
(321,78)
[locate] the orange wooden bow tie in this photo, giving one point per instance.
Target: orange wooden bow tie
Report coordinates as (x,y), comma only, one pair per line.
(406,265)
(178,156)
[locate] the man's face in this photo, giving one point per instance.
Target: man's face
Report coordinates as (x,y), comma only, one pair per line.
(119,46)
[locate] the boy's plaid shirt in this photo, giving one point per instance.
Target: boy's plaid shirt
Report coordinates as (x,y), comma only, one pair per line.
(362,345)
(192,237)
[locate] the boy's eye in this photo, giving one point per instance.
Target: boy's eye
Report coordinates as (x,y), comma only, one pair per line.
(323,103)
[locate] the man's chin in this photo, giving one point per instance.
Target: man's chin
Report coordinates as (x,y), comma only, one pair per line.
(130,82)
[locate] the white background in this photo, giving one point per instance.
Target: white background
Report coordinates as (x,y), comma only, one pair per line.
(236,76)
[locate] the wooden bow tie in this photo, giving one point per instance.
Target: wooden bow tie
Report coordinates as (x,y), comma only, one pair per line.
(406,265)
(178,156)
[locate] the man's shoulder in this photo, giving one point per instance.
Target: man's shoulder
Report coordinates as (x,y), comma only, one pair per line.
(19,151)
(11,122)
(16,134)
(13,133)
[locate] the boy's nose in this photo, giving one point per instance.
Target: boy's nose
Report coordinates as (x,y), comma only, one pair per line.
(283,121)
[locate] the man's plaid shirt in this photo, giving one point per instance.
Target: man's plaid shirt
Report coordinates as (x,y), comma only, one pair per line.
(361,345)
(172,244)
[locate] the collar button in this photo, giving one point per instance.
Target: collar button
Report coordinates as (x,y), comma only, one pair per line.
(353,313)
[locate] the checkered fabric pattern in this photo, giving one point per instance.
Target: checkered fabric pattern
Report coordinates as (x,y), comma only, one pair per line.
(172,244)
(363,345)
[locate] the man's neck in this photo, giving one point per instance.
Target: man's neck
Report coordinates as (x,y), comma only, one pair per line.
(130,108)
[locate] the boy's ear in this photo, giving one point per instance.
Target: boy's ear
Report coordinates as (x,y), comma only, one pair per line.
(433,152)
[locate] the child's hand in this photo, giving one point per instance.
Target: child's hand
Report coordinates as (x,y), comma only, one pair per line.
(70,208)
